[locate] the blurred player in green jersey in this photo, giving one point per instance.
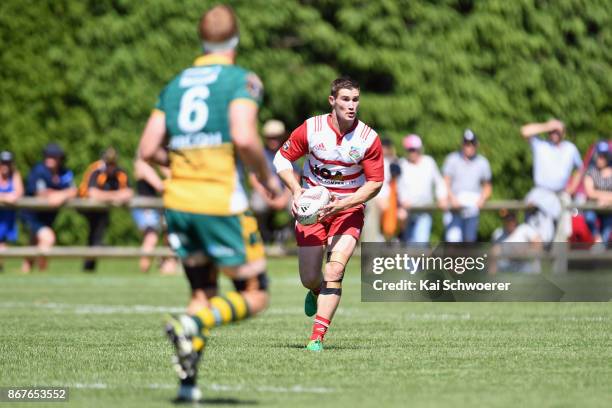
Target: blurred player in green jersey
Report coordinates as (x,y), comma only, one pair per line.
(204,127)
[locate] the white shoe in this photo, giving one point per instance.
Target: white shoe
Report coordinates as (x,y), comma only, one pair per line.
(189,393)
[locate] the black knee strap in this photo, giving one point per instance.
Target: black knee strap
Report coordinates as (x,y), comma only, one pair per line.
(325,290)
(202,276)
(331,291)
(259,282)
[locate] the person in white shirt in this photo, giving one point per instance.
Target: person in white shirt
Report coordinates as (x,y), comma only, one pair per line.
(554,161)
(418,181)
(514,239)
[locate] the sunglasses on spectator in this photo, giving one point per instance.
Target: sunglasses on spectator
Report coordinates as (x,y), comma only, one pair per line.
(412,150)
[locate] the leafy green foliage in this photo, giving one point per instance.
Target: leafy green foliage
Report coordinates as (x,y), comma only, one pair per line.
(86,73)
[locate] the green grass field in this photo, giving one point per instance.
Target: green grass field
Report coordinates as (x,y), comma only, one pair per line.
(101,336)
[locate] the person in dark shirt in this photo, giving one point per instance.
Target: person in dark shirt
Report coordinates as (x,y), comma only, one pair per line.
(104,181)
(50,180)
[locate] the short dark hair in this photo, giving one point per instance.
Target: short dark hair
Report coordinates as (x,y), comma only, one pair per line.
(343,83)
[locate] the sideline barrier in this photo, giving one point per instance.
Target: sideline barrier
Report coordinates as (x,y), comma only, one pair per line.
(36,203)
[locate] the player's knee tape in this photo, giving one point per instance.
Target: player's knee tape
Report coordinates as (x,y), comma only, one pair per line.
(338,258)
(259,282)
(335,290)
(202,276)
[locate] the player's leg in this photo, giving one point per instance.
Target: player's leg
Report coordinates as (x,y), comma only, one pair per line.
(311,240)
(339,252)
(344,233)
(310,259)
(246,267)
(201,274)
(242,258)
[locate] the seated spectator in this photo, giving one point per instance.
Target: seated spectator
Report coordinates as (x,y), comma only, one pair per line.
(468,182)
(267,209)
(11,189)
(598,187)
(107,183)
(515,239)
(418,180)
(50,180)
(150,220)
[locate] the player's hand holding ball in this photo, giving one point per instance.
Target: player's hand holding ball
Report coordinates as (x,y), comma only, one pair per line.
(334,206)
(308,205)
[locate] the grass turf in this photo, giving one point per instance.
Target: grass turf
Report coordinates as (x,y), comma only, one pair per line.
(101,336)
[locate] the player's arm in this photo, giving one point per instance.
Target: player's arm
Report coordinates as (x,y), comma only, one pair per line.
(365,193)
(144,171)
(531,129)
(243,130)
(294,148)
(151,147)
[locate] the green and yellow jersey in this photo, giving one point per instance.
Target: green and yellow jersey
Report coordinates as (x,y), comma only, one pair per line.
(206,176)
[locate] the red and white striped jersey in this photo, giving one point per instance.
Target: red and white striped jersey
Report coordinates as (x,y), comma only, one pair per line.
(340,162)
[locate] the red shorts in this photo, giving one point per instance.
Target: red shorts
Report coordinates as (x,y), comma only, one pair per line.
(347,222)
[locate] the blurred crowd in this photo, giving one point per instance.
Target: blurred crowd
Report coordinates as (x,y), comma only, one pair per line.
(415,185)
(401,212)
(104,181)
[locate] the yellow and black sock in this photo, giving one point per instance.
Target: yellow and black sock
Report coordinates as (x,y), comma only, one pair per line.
(231,307)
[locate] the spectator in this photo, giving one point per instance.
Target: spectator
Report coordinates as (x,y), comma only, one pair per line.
(512,231)
(418,180)
(11,189)
(515,239)
(148,220)
(598,187)
(107,183)
(554,160)
(50,180)
(380,216)
(468,181)
(267,209)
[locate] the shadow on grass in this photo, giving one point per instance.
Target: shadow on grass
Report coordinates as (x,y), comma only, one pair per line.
(325,347)
(216,401)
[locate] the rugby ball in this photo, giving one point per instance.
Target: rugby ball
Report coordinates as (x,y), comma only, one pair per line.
(310,203)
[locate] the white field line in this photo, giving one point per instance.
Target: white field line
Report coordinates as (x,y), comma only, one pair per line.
(70,308)
(150,309)
(296,389)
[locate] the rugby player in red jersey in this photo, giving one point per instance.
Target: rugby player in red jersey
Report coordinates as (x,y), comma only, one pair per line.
(345,156)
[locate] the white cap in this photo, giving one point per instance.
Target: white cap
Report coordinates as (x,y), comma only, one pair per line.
(273,128)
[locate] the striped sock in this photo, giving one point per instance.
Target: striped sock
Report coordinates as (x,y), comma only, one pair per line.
(198,342)
(223,310)
(319,328)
